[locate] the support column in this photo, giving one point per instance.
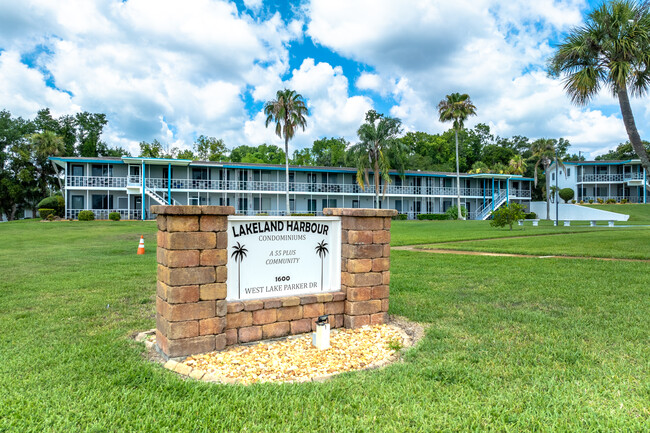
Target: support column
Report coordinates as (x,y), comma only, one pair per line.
(169,184)
(507,191)
(143,189)
(483,192)
(365,264)
(492,194)
(191,292)
(645,185)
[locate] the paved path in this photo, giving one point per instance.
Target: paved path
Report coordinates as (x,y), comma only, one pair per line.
(482,253)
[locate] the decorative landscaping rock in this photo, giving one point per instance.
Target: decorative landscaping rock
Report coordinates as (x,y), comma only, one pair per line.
(294,359)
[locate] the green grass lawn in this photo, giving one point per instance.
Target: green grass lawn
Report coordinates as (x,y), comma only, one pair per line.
(639,213)
(515,344)
(429,232)
(629,243)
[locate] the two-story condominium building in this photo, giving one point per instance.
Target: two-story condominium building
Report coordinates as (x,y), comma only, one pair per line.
(131,185)
(593,180)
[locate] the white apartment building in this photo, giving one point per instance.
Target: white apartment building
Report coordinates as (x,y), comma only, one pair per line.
(593,180)
(130,185)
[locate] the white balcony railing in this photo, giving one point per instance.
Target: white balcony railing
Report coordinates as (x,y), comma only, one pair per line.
(96,181)
(633,176)
(600,178)
(279,187)
(102,214)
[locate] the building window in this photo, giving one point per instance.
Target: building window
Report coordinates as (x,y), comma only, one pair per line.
(311,205)
(77,201)
(77,170)
(568,172)
(355,204)
(102,201)
(102,170)
(292,205)
(329,203)
(552,176)
(200,174)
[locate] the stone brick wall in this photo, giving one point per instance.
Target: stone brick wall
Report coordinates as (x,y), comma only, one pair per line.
(193,315)
(365,264)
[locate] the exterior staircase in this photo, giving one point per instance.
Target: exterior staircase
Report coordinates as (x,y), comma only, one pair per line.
(160,199)
(483,212)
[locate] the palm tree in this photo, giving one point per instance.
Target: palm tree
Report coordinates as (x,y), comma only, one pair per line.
(44,145)
(517,165)
(321,250)
(377,140)
(456,108)
(544,152)
(238,254)
(611,50)
(288,111)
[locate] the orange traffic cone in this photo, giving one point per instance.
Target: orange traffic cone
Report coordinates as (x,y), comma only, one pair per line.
(141,246)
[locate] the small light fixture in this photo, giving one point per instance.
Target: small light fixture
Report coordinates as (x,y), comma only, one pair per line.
(321,338)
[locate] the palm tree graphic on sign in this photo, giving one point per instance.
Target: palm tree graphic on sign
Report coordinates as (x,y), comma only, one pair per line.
(321,250)
(238,254)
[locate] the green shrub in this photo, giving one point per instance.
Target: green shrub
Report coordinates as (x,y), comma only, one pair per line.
(55,202)
(582,202)
(566,194)
(600,201)
(51,217)
(86,215)
(262,214)
(452,212)
(400,217)
(114,216)
(591,201)
(507,215)
(45,212)
(433,216)
(623,201)
(531,216)
(573,201)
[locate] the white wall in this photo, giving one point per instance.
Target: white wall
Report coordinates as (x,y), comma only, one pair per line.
(576,212)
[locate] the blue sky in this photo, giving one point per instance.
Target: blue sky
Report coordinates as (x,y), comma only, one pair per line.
(169,70)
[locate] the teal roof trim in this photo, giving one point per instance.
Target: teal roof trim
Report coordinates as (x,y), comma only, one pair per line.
(99,161)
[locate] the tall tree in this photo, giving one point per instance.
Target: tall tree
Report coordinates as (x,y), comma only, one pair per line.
(302,157)
(210,149)
(611,50)
(377,137)
(329,152)
(456,108)
(156,149)
(517,165)
(89,129)
(43,145)
(623,151)
(544,152)
(287,111)
(263,154)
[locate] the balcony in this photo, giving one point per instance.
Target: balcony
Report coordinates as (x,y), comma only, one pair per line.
(96,182)
(279,187)
(600,178)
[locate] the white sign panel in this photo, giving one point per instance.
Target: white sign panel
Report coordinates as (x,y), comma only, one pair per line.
(271,257)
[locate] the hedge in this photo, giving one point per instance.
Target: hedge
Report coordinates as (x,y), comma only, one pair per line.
(86,215)
(114,216)
(44,212)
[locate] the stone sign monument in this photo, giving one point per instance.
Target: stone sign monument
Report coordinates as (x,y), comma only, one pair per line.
(225,279)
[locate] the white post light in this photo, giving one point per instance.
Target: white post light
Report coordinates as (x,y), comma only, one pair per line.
(321,338)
